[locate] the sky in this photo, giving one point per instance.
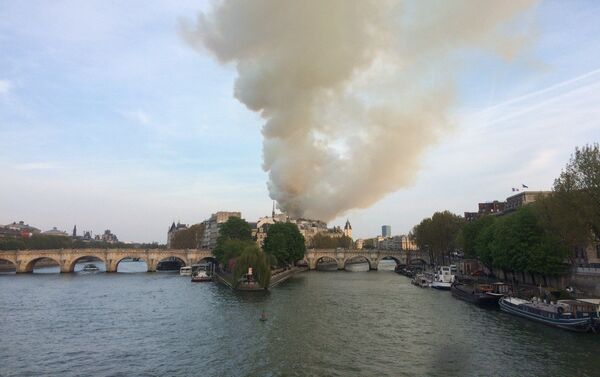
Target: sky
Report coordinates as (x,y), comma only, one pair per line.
(110,120)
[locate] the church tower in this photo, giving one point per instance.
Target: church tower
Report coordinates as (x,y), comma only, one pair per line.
(348,229)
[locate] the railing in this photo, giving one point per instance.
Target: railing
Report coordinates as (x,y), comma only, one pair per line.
(587,270)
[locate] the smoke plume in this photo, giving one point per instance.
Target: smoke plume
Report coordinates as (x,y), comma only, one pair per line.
(352,92)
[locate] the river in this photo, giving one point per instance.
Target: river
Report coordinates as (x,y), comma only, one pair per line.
(320,324)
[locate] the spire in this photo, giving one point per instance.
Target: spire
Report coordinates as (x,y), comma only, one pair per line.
(273,213)
(75,231)
(348,226)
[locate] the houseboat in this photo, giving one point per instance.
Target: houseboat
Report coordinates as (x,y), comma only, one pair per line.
(574,315)
(481,294)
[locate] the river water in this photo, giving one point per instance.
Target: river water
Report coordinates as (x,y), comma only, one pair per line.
(320,324)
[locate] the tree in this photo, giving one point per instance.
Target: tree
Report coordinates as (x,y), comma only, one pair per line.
(573,211)
(323,241)
(469,233)
(438,234)
(188,238)
(285,242)
(41,241)
(252,256)
(234,229)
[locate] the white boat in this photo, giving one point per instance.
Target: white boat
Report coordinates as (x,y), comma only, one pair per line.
(200,276)
(421,280)
(90,267)
(443,278)
(185,271)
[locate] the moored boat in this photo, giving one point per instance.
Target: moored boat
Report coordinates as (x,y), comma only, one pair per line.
(185,271)
(443,278)
(574,315)
(421,280)
(481,294)
(200,276)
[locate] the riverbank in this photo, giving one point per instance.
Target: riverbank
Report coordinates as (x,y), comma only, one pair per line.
(277,278)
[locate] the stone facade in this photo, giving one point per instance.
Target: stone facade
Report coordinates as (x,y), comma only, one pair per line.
(211,228)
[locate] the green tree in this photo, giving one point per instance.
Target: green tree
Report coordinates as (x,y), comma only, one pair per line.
(470,231)
(234,229)
(252,256)
(573,210)
(438,235)
(323,241)
(285,242)
(40,241)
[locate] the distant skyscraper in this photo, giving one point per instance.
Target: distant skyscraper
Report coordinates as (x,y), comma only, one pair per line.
(386,231)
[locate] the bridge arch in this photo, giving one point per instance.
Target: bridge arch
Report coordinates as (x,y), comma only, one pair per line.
(8,267)
(207,259)
(323,261)
(31,263)
(417,261)
(133,257)
(71,265)
(387,258)
(181,260)
(358,257)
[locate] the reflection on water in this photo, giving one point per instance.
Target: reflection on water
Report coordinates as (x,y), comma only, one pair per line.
(332,324)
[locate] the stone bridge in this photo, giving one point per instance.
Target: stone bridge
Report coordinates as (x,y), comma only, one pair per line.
(342,256)
(24,260)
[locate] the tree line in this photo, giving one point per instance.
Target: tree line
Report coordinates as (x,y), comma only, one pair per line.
(539,238)
(43,242)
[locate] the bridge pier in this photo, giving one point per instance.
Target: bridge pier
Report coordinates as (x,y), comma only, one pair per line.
(152,263)
(111,265)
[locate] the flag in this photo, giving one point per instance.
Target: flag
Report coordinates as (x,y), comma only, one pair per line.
(524,186)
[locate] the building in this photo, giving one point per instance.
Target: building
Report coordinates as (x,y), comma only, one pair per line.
(55,232)
(108,237)
(211,228)
(174,228)
(487,208)
(407,243)
(390,243)
(22,229)
(522,199)
(348,229)
(386,231)
(358,245)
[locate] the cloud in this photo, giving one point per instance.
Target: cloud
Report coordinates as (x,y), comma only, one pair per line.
(138,116)
(5,87)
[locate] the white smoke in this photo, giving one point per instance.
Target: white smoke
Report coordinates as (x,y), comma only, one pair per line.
(353,92)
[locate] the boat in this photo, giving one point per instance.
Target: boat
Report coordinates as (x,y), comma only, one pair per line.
(421,280)
(201,276)
(185,271)
(443,278)
(575,315)
(90,267)
(481,294)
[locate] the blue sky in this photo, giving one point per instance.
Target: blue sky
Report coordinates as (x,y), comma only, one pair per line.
(109,120)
